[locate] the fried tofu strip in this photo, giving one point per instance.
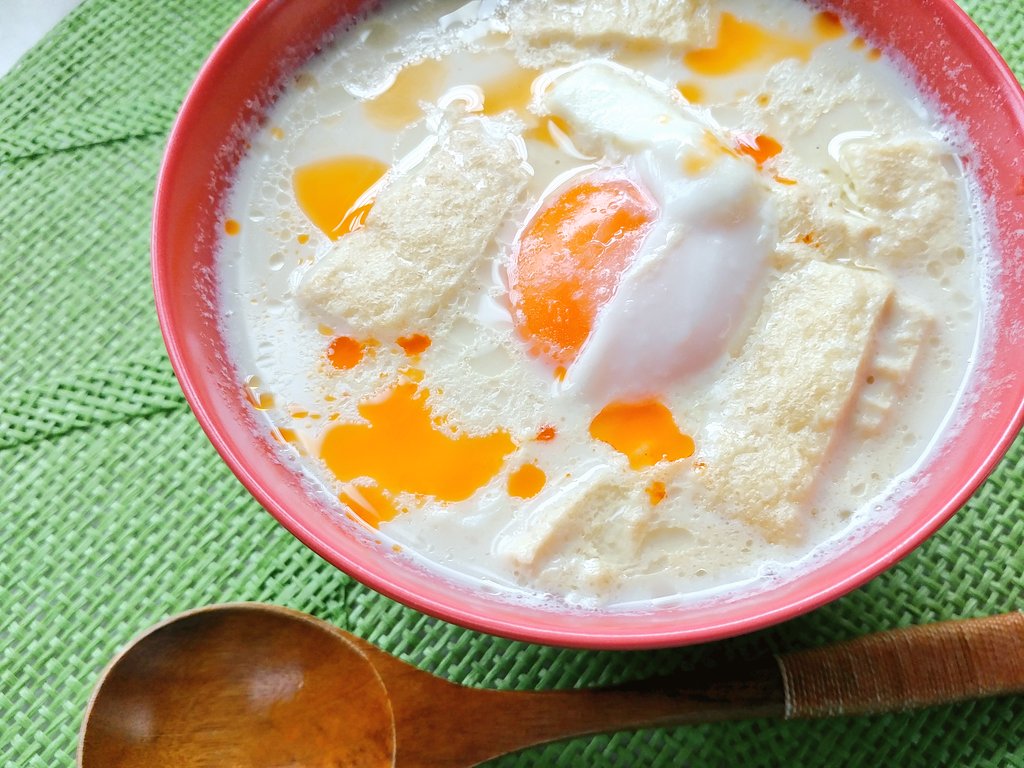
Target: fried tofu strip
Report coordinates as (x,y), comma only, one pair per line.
(783,398)
(905,185)
(583,538)
(426,235)
(905,327)
(546,29)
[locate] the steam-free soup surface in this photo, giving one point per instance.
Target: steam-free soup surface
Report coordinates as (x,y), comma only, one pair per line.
(608,305)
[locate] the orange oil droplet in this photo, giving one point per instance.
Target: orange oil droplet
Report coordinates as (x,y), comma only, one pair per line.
(743,45)
(354,219)
(761,148)
(399,105)
(569,260)
(403,448)
(372,505)
(545,434)
(828,26)
(344,353)
(764,99)
(696,163)
(526,482)
(874,54)
(414,375)
(511,92)
(302,239)
(784,181)
(553,130)
(414,344)
(644,432)
(261,401)
(692,92)
(327,191)
(285,435)
(277,133)
(232,227)
(656,492)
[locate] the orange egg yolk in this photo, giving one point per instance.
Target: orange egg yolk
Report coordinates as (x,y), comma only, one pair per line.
(526,482)
(327,192)
(402,448)
(644,432)
(569,261)
(742,45)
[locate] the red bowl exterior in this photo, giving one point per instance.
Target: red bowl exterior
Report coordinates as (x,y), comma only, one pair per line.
(936,40)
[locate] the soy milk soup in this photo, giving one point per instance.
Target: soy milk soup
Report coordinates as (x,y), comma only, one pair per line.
(605,307)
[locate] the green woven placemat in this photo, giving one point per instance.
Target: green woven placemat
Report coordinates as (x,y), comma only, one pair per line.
(115,511)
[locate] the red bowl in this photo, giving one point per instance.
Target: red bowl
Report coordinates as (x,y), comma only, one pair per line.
(952,60)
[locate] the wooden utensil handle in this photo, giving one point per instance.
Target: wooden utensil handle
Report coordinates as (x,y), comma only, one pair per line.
(907,668)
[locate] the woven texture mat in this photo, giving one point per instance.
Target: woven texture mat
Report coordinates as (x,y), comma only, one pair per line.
(116,512)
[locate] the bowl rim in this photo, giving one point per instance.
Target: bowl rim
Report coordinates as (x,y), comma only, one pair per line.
(451,610)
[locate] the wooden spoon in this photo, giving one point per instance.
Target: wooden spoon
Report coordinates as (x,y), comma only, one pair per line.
(253,685)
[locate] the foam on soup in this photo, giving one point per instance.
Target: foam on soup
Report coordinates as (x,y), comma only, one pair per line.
(605,307)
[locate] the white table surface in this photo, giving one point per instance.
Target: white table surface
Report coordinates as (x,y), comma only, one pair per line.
(24,22)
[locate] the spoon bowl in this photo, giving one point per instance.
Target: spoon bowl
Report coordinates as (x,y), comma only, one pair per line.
(239,683)
(259,686)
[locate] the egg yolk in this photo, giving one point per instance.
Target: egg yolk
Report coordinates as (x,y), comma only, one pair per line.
(569,261)
(526,482)
(327,192)
(644,432)
(400,447)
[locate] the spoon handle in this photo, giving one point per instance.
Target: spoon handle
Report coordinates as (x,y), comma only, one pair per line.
(907,668)
(441,724)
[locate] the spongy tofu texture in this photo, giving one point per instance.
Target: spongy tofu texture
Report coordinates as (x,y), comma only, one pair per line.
(906,325)
(553,29)
(803,95)
(585,537)
(784,396)
(904,184)
(425,237)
